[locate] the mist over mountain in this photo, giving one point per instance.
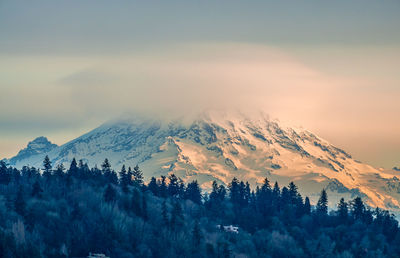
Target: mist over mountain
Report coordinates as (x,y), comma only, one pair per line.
(220,145)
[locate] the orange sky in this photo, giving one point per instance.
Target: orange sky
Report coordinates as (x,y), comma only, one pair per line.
(331,67)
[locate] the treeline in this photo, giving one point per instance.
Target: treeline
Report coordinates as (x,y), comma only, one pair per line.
(58,212)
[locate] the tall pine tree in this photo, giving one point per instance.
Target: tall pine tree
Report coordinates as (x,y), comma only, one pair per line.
(343,209)
(137,176)
(322,204)
(193,192)
(47,168)
(123,179)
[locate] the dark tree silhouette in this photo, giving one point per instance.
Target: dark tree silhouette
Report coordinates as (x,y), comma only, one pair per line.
(73,168)
(47,167)
(173,186)
(87,211)
(307,206)
(137,176)
(153,187)
(322,204)
(20,203)
(110,194)
(37,190)
(193,192)
(5,175)
(123,179)
(343,209)
(196,234)
(357,208)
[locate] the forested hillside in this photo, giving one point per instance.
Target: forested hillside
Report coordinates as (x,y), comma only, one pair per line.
(58,212)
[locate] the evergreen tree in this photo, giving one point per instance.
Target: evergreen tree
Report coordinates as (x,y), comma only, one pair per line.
(96,174)
(234,191)
(145,214)
(342,209)
(83,170)
(36,190)
(113,178)
(247,193)
(173,186)
(221,193)
(20,203)
(266,187)
(5,175)
(109,174)
(163,189)
(153,187)
(193,192)
(357,208)
(367,216)
(76,213)
(106,166)
(16,176)
(122,173)
(110,194)
(242,194)
(123,179)
(72,223)
(177,219)
(47,168)
(307,206)
(276,192)
(136,199)
(322,204)
(137,176)
(181,188)
(214,192)
(196,234)
(295,197)
(226,252)
(216,198)
(59,172)
(164,213)
(106,169)
(285,197)
(73,168)
(253,201)
(81,164)
(47,164)
(130,176)
(264,198)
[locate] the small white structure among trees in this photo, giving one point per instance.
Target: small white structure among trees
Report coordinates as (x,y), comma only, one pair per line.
(230,228)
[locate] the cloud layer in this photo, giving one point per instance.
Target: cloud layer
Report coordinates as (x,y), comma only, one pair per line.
(72,94)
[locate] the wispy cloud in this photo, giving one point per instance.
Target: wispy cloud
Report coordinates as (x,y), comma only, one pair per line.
(84,91)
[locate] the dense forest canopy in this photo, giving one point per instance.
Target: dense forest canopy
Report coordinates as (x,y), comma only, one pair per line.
(59,212)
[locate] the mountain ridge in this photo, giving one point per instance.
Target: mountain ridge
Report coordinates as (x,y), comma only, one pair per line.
(37,146)
(222,145)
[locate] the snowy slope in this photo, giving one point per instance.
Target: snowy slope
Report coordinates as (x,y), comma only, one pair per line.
(37,147)
(219,145)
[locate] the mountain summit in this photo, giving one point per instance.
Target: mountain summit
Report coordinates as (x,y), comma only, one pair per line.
(222,145)
(37,147)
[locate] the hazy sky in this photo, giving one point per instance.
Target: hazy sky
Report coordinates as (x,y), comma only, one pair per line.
(332,67)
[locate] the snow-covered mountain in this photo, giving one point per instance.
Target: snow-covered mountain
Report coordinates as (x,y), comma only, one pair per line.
(218,145)
(40,145)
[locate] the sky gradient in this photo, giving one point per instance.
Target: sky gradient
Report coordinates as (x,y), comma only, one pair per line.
(67,66)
